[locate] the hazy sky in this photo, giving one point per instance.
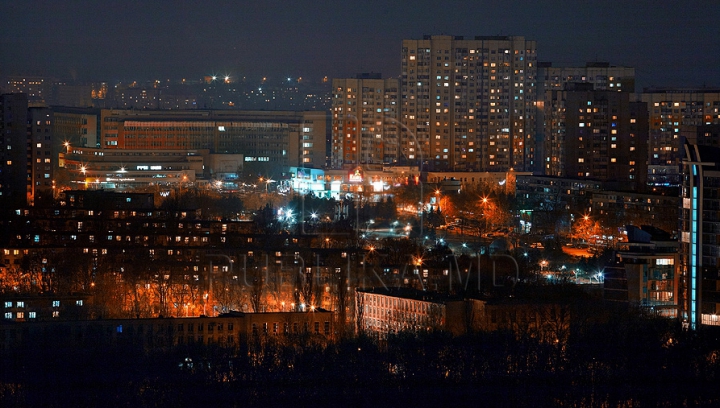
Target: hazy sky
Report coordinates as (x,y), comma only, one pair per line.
(670,43)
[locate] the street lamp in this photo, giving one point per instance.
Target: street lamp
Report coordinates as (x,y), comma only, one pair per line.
(484,202)
(83,170)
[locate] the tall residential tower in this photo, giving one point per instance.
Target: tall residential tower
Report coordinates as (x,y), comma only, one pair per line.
(468,103)
(365,122)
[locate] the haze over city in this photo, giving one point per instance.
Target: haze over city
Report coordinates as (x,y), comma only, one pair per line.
(668,43)
(381,203)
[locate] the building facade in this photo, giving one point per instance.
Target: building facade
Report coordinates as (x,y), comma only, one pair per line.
(77,126)
(597,135)
(14,150)
(673,112)
(468,103)
(227,330)
(644,273)
(700,232)
(44,153)
(383,312)
(365,124)
(600,75)
(276,138)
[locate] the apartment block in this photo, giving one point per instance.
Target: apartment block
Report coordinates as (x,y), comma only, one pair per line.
(674,112)
(13,150)
(597,135)
(468,103)
(365,126)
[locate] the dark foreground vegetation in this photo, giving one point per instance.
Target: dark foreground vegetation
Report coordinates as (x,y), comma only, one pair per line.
(613,357)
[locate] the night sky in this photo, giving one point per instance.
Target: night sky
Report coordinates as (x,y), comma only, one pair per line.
(670,43)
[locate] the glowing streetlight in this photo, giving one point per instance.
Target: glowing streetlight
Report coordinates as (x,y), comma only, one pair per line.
(267,182)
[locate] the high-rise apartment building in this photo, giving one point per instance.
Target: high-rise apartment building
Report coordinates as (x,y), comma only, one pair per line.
(36,88)
(700,235)
(597,135)
(365,126)
(13,150)
(28,150)
(673,112)
(43,155)
(469,103)
(600,75)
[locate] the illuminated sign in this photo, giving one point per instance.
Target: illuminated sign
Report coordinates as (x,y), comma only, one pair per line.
(355,175)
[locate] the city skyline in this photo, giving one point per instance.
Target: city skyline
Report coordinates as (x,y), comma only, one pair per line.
(118,41)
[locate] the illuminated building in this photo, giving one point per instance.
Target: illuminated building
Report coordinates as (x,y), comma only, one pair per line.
(699,232)
(277,139)
(13,150)
(229,329)
(644,273)
(29,152)
(93,168)
(468,103)
(635,208)
(381,312)
(598,135)
(44,151)
(674,112)
(365,122)
(600,75)
(77,126)
(36,88)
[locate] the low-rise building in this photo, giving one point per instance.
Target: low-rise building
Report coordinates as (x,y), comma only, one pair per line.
(385,311)
(644,271)
(230,329)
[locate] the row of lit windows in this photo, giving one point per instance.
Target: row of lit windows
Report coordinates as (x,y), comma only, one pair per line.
(21,304)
